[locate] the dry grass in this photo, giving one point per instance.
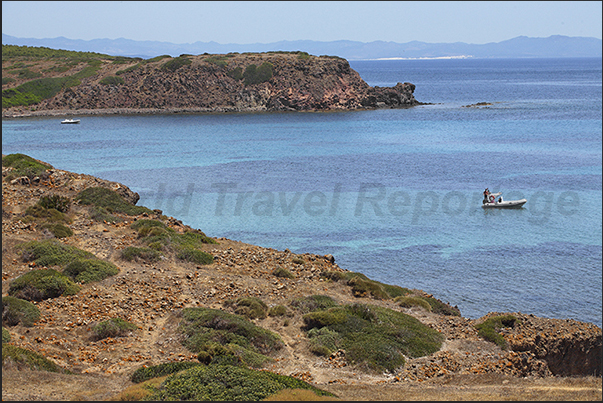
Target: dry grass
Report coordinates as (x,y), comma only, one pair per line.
(291,395)
(477,387)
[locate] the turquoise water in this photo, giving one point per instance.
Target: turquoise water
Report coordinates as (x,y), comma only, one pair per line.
(395,194)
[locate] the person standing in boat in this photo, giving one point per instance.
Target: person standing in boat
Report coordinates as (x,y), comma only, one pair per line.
(486,193)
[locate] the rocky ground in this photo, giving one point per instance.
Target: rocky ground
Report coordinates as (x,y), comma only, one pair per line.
(548,359)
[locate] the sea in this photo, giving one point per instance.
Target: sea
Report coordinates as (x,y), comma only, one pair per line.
(395,194)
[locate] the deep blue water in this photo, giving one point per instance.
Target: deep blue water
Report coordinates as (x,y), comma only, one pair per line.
(394,194)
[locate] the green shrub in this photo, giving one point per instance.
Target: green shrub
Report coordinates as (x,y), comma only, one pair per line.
(409,302)
(490,327)
(101,214)
(132,253)
(145,373)
(298,260)
(324,341)
(176,63)
(129,69)
(56,202)
(58,230)
(283,273)
(374,338)
(50,215)
(313,303)
(38,285)
(90,270)
(110,200)
(226,382)
(27,74)
(7,80)
(23,165)
(195,256)
(438,306)
(204,327)
(29,358)
(278,310)
(217,60)
(51,252)
(256,75)
(15,311)
(362,286)
(112,80)
(236,73)
(5,335)
(114,327)
(250,307)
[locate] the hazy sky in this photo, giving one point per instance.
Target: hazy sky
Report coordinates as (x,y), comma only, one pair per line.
(249,22)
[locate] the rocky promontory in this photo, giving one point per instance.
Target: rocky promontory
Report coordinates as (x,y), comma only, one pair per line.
(524,357)
(249,82)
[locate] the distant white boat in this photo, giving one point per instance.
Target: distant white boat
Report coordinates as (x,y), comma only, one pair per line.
(495,200)
(70,121)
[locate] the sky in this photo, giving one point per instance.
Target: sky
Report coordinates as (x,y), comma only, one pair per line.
(247,22)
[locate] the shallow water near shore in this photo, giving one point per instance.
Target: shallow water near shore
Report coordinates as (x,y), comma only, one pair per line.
(394,194)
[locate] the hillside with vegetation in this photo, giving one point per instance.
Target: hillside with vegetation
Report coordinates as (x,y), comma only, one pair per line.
(103,299)
(42,81)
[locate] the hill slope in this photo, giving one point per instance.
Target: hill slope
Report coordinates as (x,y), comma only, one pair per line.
(44,81)
(522,357)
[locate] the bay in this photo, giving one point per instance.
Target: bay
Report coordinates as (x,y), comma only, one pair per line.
(394,194)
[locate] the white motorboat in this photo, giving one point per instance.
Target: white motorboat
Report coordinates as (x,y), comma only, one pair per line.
(70,121)
(495,200)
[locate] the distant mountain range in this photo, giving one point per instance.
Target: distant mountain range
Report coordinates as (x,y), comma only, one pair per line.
(519,47)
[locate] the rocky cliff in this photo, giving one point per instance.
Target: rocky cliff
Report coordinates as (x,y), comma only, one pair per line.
(276,81)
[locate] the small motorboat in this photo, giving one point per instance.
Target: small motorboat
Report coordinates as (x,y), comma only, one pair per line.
(495,200)
(70,121)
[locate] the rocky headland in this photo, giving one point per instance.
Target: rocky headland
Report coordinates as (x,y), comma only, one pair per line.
(249,82)
(538,359)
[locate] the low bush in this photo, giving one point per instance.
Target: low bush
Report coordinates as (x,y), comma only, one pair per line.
(490,327)
(257,75)
(38,285)
(30,359)
(410,301)
(5,335)
(278,310)
(250,307)
(37,213)
(324,341)
(101,214)
(114,327)
(16,310)
(109,200)
(282,273)
(56,202)
(90,270)
(23,165)
(194,255)
(204,327)
(374,338)
(58,230)
(362,286)
(226,382)
(145,373)
(176,63)
(236,73)
(146,254)
(438,306)
(51,252)
(112,80)
(186,246)
(313,303)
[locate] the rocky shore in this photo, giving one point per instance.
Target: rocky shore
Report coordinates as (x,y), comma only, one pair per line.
(152,295)
(255,82)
